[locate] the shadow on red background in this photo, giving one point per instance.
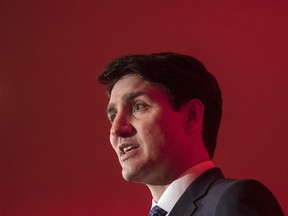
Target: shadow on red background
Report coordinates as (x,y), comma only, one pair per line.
(55,156)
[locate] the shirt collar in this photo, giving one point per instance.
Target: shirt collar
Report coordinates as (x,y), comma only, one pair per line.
(178,186)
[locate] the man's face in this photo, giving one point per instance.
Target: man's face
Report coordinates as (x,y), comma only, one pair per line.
(146,133)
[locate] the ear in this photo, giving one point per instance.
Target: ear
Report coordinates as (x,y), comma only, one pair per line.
(194,114)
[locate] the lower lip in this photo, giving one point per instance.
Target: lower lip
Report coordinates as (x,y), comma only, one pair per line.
(129,154)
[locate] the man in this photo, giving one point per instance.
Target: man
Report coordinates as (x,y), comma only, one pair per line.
(165,110)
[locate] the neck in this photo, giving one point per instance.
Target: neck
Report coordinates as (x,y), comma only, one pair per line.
(157,191)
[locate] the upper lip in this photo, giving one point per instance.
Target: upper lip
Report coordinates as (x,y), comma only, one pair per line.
(125,147)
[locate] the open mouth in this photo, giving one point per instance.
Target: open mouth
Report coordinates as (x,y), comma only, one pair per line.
(128,148)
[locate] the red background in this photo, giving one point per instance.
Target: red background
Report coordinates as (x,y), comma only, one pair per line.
(55,156)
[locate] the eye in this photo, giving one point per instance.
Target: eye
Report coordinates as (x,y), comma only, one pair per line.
(138,107)
(111,116)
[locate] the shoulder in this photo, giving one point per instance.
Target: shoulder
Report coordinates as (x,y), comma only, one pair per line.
(213,194)
(244,197)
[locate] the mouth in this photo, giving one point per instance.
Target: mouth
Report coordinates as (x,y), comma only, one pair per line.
(127,147)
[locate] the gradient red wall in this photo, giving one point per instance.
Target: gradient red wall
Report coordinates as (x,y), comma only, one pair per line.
(55,156)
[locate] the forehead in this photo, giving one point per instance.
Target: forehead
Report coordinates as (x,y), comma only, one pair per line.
(132,86)
(129,84)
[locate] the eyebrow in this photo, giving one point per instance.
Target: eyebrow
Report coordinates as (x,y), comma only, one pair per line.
(126,98)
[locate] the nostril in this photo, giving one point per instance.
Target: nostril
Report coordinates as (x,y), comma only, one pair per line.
(122,131)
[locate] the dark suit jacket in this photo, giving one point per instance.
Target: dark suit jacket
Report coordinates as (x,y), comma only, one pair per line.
(213,195)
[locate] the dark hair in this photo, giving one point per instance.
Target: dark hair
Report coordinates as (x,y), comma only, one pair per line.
(182,77)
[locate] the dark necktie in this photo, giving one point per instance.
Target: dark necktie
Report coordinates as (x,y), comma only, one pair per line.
(157,211)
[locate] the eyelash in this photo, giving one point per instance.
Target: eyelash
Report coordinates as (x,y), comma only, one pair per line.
(111,117)
(137,107)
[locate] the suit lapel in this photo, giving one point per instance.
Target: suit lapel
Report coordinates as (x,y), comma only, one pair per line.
(187,205)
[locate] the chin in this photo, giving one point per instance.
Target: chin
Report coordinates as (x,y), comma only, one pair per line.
(132,176)
(128,176)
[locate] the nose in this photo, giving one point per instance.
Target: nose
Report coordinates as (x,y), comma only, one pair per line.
(122,127)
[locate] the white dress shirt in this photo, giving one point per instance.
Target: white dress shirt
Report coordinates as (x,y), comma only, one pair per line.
(175,190)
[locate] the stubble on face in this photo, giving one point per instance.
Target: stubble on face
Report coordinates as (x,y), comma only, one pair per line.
(151,117)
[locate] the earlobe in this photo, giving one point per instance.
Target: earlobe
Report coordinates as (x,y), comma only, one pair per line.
(194,114)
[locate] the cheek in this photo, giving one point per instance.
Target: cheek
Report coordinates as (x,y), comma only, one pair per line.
(168,132)
(112,142)
(161,128)
(153,135)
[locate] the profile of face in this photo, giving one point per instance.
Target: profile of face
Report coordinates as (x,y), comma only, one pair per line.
(148,136)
